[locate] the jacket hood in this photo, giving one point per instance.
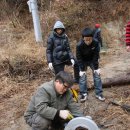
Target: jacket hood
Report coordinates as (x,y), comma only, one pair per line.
(58,24)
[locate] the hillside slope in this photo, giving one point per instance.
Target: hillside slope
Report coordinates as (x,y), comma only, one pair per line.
(23,64)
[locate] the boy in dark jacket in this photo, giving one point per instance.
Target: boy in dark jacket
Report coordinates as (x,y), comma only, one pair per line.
(87,53)
(58,51)
(97,35)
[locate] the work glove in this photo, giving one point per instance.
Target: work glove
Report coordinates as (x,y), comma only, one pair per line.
(73,62)
(98,71)
(81,73)
(50,66)
(128,48)
(65,114)
(89,117)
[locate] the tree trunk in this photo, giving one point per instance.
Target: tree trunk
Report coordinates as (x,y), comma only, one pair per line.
(123,79)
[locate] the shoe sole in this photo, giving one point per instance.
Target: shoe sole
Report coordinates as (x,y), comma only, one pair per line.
(100,99)
(83,100)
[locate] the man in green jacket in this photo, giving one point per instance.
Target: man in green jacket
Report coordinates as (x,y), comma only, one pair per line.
(53,104)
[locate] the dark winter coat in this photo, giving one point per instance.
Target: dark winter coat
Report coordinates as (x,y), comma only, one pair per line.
(87,54)
(58,49)
(97,36)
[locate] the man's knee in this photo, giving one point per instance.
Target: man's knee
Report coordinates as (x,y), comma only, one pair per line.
(40,123)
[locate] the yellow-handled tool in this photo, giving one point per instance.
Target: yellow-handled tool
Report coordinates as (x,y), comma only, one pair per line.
(75,94)
(70,116)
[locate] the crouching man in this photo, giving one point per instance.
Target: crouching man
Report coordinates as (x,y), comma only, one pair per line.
(53,105)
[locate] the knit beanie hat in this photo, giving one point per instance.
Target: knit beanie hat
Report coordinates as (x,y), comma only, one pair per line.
(97,25)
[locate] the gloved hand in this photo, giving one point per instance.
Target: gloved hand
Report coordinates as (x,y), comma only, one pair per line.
(89,117)
(128,48)
(73,62)
(98,71)
(50,66)
(65,114)
(81,73)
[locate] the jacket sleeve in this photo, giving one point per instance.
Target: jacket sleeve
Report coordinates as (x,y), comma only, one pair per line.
(49,50)
(99,38)
(79,58)
(42,104)
(127,40)
(74,107)
(68,49)
(96,56)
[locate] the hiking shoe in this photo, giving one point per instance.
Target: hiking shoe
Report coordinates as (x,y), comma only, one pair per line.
(103,50)
(100,97)
(84,97)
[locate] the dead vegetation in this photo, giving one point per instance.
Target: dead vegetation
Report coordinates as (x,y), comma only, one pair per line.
(115,116)
(23,64)
(75,14)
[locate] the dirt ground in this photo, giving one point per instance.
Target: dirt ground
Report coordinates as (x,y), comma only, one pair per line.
(16,90)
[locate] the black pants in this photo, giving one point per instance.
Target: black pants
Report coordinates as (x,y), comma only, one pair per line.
(60,67)
(39,123)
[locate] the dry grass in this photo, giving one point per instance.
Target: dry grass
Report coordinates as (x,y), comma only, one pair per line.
(23,62)
(22,68)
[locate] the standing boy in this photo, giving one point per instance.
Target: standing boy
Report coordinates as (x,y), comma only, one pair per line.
(97,35)
(87,53)
(58,51)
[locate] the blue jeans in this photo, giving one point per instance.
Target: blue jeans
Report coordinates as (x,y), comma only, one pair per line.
(97,82)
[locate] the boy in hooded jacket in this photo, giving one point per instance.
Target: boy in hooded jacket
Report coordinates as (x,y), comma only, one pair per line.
(58,51)
(87,53)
